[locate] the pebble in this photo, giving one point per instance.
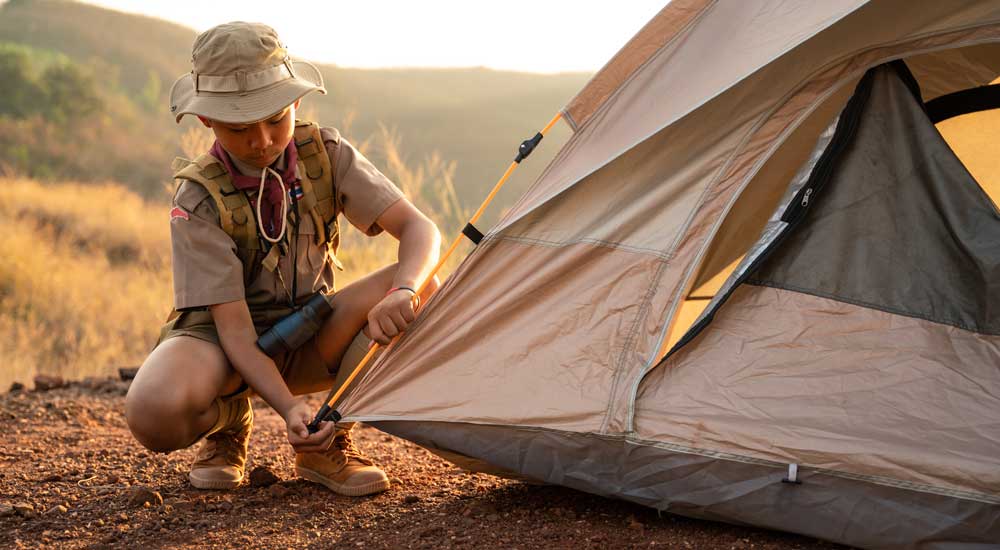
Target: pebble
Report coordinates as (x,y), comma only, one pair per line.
(278,490)
(410,499)
(24,509)
(44,382)
(262,476)
(60,509)
(16,387)
(144,496)
(6,510)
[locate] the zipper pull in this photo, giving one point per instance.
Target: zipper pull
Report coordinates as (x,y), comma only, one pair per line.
(805,198)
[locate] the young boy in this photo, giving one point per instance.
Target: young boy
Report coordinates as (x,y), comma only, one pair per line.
(253,230)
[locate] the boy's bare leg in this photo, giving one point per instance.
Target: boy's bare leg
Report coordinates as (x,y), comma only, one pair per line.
(171,402)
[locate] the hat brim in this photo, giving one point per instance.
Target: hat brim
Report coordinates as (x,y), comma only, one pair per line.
(251,106)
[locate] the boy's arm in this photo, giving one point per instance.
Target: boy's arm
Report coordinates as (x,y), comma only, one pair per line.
(239,340)
(419,247)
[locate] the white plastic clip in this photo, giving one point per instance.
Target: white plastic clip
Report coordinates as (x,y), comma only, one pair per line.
(793,475)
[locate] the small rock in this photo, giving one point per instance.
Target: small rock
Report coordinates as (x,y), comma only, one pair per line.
(60,509)
(410,499)
(127,373)
(44,382)
(24,509)
(16,387)
(429,532)
(52,477)
(492,517)
(635,524)
(262,476)
(144,496)
(6,510)
(278,490)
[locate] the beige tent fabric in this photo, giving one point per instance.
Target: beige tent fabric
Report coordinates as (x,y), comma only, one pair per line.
(516,365)
(887,405)
(658,204)
(660,30)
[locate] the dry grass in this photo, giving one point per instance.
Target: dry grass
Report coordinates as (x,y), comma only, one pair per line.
(86,282)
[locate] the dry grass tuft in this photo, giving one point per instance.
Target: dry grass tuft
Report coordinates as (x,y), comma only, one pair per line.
(87,278)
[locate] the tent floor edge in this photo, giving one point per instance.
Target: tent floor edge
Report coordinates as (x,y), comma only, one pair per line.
(828,507)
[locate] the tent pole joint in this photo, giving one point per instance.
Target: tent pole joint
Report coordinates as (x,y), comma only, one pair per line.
(527,146)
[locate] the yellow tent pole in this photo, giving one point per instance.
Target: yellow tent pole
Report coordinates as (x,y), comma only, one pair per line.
(523,151)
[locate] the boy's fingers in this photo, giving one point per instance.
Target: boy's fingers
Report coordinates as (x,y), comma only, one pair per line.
(399,319)
(388,325)
(376,333)
(408,314)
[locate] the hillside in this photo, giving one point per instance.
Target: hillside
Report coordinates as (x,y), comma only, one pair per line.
(475,117)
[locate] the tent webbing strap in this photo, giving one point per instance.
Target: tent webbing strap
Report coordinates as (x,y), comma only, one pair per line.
(963,102)
(326,411)
(474,235)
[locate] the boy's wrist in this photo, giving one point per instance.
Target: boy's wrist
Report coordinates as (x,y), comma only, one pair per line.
(285,405)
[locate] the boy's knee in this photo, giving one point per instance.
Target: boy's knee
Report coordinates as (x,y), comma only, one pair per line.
(153,419)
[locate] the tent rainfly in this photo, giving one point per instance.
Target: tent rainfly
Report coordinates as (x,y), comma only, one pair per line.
(755,285)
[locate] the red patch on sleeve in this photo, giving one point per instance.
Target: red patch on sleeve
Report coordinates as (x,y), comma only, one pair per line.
(178,212)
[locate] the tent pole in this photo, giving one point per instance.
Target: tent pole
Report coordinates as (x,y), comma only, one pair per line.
(326,412)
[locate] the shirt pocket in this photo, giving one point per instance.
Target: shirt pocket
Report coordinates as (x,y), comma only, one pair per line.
(315,271)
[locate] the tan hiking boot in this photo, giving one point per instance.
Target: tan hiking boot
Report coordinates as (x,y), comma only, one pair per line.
(223,454)
(342,469)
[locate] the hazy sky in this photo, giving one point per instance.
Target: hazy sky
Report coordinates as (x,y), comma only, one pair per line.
(524,35)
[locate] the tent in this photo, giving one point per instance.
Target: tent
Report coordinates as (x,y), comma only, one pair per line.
(755,285)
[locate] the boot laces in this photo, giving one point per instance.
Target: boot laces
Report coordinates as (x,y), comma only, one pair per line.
(344,444)
(226,445)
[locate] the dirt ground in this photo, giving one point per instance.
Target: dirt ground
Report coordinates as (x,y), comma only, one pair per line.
(72,477)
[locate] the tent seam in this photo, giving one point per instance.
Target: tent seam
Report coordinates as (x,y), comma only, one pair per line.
(634,74)
(620,369)
(559,244)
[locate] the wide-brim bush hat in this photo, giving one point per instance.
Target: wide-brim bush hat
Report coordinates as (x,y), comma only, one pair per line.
(241,73)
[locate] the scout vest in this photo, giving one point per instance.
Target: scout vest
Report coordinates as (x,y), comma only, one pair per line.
(319,200)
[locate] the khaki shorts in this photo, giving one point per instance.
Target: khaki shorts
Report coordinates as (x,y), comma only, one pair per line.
(303,367)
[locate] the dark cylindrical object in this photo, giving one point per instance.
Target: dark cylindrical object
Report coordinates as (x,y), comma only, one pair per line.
(295,329)
(325,414)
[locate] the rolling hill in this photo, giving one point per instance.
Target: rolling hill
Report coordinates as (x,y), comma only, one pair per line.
(475,117)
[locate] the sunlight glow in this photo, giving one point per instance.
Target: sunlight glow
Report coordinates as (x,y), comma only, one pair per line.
(521,35)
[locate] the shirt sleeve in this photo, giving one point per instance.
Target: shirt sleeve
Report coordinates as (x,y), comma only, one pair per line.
(206,268)
(364,192)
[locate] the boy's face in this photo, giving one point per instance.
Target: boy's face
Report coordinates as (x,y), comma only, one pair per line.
(258,143)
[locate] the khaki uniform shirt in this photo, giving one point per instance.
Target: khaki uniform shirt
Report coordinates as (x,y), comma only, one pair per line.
(206,268)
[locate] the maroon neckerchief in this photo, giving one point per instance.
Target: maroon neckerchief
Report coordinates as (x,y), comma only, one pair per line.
(270,209)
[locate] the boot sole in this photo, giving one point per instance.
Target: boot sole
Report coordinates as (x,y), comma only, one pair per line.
(213,483)
(340,488)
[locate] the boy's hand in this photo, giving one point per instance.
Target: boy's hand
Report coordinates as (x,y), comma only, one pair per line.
(297,417)
(391,316)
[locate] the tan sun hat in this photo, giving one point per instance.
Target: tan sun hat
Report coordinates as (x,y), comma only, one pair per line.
(241,73)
